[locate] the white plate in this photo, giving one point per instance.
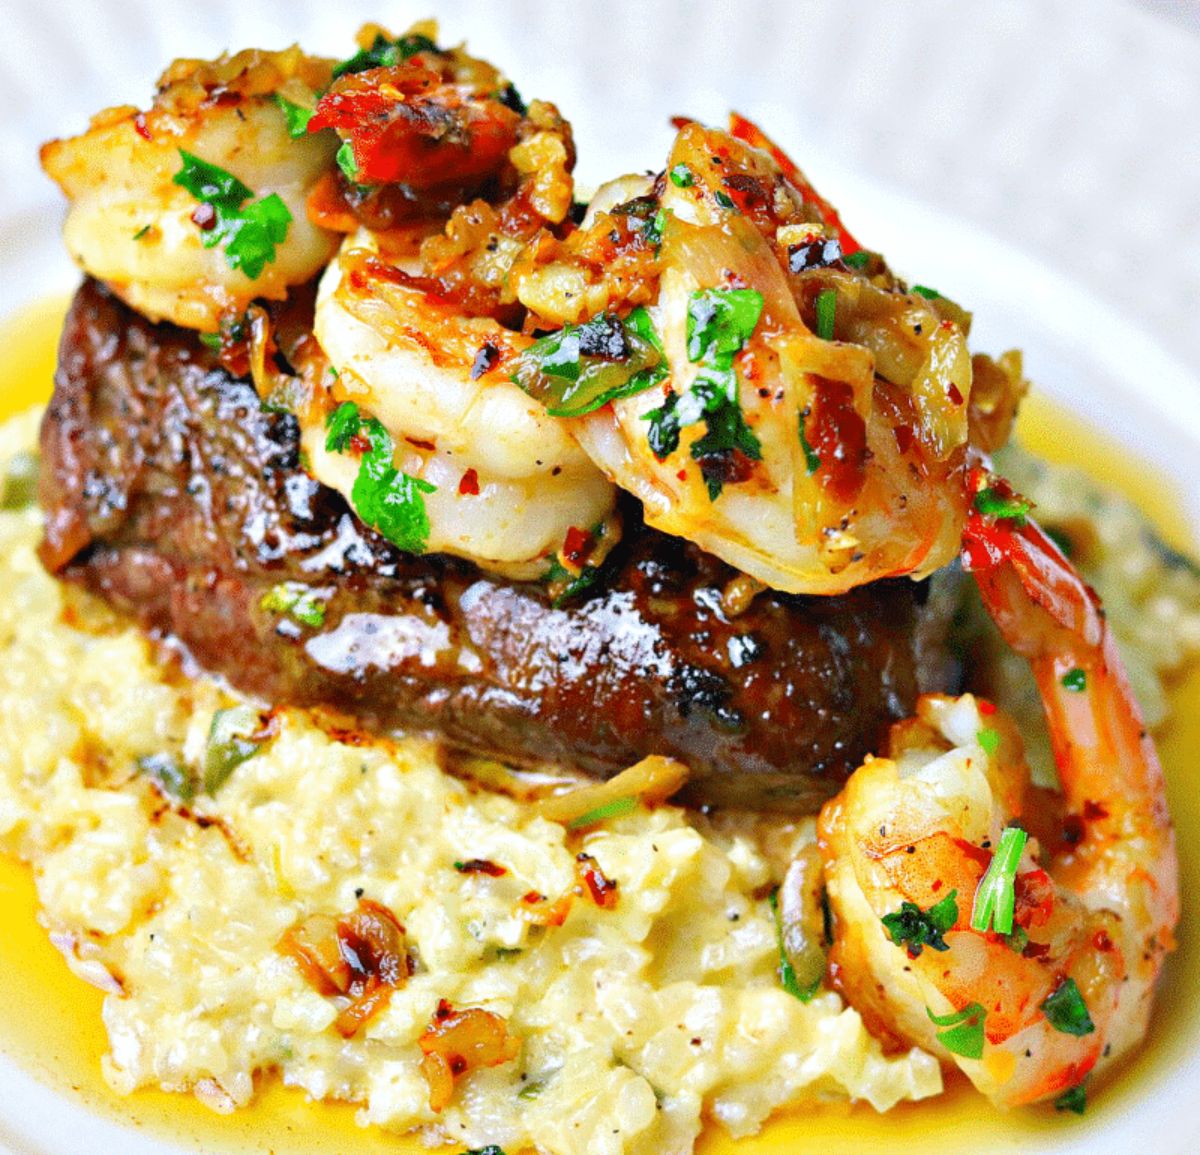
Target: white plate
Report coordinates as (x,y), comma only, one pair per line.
(879,91)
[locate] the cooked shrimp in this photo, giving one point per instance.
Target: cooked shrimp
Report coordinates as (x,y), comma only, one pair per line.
(811,421)
(134,226)
(510,482)
(1058,979)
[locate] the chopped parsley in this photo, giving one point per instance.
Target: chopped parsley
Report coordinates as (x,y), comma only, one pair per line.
(248,232)
(812,459)
(211,341)
(724,200)
(171,777)
(995,898)
(384,53)
(531,1090)
(297,116)
(964,1035)
(20,481)
(858,260)
(645,217)
(989,739)
(229,744)
(617,808)
(926,292)
(1066,1011)
(992,502)
(719,323)
(1075,680)
(785,970)
(1073,1099)
(916,929)
(826,312)
(346,161)
(583,367)
(141,232)
(386,499)
(490,1149)
(681,176)
(299,601)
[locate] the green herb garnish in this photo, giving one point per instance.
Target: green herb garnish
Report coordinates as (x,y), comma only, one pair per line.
(211,341)
(720,322)
(995,898)
(725,200)
(384,53)
(1073,1099)
(141,232)
(926,292)
(812,460)
(172,777)
(826,312)
(297,116)
(303,603)
(916,929)
(583,367)
(965,1034)
(229,744)
(681,176)
(991,502)
(347,162)
(1066,1011)
(617,808)
(785,970)
(531,1091)
(385,498)
(1075,680)
(20,481)
(249,234)
(857,260)
(989,739)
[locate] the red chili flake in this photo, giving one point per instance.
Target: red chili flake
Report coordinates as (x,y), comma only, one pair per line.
(603,890)
(139,126)
(360,443)
(480,866)
(953,393)
(838,436)
(1036,950)
(904,437)
(532,897)
(428,446)
(468,484)
(1033,893)
(577,545)
(205,216)
(1102,942)
(682,475)
(986,708)
(1093,811)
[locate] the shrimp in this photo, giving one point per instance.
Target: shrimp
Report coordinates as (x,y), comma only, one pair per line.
(812,420)
(421,329)
(509,483)
(918,845)
(133,225)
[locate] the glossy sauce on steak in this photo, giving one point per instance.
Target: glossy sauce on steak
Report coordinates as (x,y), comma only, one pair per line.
(172,493)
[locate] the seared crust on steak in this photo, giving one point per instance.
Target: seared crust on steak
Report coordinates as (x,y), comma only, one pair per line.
(172,493)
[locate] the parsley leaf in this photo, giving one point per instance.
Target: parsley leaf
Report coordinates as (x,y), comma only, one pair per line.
(583,367)
(681,176)
(858,260)
(989,739)
(995,898)
(826,312)
(785,970)
(297,116)
(249,234)
(386,499)
(384,53)
(1073,1099)
(347,162)
(1075,680)
(916,928)
(965,1034)
(720,321)
(1066,1011)
(992,502)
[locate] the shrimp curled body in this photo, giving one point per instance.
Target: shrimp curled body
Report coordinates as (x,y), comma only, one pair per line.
(1070,988)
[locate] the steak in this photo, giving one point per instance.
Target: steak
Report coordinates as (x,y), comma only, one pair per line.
(172,493)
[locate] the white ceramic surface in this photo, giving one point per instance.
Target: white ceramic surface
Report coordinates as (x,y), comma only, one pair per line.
(1038,161)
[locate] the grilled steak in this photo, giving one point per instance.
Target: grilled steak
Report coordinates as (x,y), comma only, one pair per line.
(172,493)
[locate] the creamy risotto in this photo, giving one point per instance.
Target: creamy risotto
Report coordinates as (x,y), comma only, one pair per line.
(634,1019)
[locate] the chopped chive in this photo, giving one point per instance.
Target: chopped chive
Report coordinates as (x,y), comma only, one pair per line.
(826,310)
(926,292)
(785,970)
(1073,1099)
(995,898)
(681,176)
(347,162)
(812,460)
(991,502)
(617,808)
(212,341)
(1075,679)
(989,739)
(141,232)
(857,260)
(724,200)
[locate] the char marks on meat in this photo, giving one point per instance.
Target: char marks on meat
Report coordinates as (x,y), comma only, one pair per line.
(174,495)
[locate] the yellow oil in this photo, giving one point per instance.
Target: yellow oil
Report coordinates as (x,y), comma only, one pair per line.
(50,1021)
